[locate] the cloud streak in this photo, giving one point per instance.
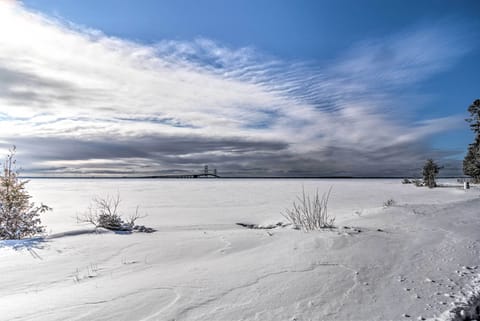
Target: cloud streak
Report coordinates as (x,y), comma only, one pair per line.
(77,101)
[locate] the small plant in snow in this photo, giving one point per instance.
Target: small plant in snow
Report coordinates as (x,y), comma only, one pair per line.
(388,203)
(19,217)
(104,212)
(406,181)
(418,183)
(90,271)
(310,212)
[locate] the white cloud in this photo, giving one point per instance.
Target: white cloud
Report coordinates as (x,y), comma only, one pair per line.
(65,82)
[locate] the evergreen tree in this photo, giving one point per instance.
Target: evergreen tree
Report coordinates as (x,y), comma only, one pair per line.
(471,163)
(18,216)
(430,172)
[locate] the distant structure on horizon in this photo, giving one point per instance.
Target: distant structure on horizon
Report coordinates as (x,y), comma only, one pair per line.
(207,173)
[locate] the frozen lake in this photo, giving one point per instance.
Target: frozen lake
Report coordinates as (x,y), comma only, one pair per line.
(190,202)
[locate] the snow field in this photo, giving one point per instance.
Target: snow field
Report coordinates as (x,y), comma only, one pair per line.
(417,259)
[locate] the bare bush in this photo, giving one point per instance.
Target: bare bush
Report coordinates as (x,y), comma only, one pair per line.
(104,212)
(310,212)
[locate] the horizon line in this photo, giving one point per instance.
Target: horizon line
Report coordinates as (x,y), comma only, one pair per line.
(233,177)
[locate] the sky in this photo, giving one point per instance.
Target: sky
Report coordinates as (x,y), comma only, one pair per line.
(252,87)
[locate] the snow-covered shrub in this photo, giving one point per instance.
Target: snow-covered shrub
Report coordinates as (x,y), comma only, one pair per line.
(310,212)
(104,212)
(19,217)
(418,182)
(406,181)
(388,203)
(430,172)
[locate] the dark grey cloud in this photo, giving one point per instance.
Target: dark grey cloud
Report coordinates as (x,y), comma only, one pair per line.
(56,148)
(138,155)
(157,155)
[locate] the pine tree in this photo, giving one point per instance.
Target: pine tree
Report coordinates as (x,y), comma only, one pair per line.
(430,172)
(471,163)
(19,217)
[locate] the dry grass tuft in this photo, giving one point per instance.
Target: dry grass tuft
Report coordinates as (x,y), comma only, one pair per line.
(310,212)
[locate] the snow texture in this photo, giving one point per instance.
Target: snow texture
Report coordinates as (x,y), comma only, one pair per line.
(417,259)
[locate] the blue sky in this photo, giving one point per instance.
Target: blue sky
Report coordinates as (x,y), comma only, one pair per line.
(368,88)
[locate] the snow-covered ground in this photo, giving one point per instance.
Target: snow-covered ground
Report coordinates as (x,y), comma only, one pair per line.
(416,259)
